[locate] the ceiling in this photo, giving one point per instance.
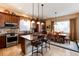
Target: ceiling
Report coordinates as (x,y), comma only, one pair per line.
(48,11)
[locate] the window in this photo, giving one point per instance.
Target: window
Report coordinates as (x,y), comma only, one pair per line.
(62,26)
(24,25)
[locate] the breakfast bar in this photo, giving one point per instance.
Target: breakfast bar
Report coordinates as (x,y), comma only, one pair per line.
(23,42)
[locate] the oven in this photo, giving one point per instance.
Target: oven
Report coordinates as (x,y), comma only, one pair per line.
(11,39)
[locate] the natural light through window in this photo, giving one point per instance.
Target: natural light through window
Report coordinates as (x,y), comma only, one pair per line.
(62,26)
(24,25)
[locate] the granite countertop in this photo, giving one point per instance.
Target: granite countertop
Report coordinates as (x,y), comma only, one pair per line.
(28,37)
(2,33)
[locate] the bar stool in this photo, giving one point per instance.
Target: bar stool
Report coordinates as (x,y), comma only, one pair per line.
(45,40)
(36,45)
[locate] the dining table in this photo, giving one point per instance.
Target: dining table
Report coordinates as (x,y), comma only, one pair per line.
(60,38)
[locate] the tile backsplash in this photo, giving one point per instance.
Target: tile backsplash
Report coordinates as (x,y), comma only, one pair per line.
(4,30)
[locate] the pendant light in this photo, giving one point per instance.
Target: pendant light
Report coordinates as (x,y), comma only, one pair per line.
(42,23)
(32,13)
(38,22)
(55,17)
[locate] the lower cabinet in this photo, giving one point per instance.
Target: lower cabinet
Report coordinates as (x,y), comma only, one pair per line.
(2,42)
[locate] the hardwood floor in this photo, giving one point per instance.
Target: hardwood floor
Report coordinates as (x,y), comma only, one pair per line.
(54,51)
(11,51)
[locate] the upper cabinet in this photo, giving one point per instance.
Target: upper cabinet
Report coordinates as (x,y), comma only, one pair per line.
(15,19)
(2,19)
(8,18)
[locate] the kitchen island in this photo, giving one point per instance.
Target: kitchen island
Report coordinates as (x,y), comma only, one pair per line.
(24,39)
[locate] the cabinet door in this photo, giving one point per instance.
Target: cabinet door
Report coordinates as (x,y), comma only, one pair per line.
(15,19)
(2,42)
(8,18)
(2,19)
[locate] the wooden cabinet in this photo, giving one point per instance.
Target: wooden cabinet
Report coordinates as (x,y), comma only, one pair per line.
(2,18)
(2,42)
(8,18)
(15,19)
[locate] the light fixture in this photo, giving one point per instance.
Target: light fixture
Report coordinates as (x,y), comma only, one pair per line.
(42,23)
(38,22)
(53,30)
(32,21)
(55,18)
(42,10)
(33,14)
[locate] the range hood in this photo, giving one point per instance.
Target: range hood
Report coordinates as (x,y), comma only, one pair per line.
(10,25)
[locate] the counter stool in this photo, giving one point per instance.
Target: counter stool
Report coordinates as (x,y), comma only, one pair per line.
(36,45)
(45,40)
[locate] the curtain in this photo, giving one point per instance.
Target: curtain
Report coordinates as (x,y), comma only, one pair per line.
(73,29)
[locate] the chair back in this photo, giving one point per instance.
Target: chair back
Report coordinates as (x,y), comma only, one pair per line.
(37,41)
